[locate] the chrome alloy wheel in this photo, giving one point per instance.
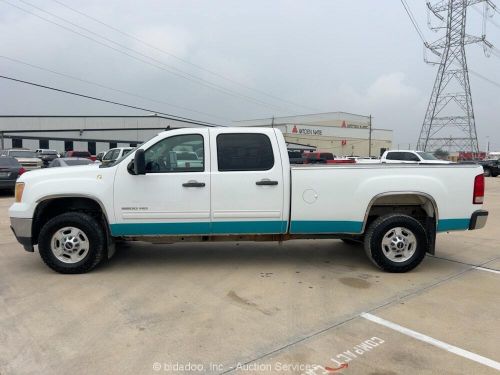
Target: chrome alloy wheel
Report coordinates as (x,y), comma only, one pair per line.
(399,244)
(69,245)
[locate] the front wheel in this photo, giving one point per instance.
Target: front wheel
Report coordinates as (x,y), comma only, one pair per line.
(487,172)
(72,242)
(396,243)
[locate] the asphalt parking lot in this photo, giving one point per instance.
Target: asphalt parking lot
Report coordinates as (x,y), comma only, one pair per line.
(298,307)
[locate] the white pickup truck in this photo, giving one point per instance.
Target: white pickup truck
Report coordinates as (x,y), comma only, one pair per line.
(241,188)
(410,157)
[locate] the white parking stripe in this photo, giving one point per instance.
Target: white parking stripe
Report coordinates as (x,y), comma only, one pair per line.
(440,344)
(487,269)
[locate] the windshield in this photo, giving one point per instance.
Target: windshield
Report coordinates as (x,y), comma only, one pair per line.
(22,154)
(427,156)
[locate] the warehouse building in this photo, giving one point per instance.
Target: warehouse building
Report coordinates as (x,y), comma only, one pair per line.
(341,133)
(82,133)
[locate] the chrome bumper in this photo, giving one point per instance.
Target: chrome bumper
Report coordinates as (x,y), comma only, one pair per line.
(22,230)
(478,219)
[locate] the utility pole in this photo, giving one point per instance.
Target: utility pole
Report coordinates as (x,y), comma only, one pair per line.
(2,145)
(450,107)
(370,137)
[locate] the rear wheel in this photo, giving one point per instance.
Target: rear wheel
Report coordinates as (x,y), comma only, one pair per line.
(72,242)
(396,243)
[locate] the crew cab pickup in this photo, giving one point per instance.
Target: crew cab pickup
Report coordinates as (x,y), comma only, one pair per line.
(241,188)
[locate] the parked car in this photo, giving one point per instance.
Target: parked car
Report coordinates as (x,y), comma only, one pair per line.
(79,154)
(295,157)
(410,157)
(69,162)
(491,167)
(115,153)
(46,156)
(317,157)
(244,190)
(10,170)
(27,158)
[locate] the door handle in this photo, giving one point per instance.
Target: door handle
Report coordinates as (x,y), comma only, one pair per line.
(266,182)
(193,184)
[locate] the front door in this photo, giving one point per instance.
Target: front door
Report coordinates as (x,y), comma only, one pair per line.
(173,197)
(247,182)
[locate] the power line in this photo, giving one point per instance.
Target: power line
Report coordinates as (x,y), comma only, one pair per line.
(109,88)
(477,11)
(179,58)
(484,78)
(178,73)
(166,115)
(413,20)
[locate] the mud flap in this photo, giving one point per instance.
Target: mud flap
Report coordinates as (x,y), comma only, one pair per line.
(430,229)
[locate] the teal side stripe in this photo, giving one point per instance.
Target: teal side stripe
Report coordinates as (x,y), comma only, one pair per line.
(241,227)
(325,226)
(453,224)
(220,227)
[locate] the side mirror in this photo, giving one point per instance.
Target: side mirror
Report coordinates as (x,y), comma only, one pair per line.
(139,162)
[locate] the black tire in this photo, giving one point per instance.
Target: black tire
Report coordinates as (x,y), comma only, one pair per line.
(87,224)
(487,172)
(380,227)
(494,174)
(352,242)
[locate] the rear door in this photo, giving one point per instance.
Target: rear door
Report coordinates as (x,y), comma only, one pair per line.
(247,182)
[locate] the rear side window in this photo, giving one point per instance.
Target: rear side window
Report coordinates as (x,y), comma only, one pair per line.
(244,152)
(395,156)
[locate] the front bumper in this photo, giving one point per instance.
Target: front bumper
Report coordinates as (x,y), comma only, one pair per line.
(22,230)
(478,219)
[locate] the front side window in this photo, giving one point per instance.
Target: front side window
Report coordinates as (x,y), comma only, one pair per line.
(411,157)
(244,152)
(181,153)
(427,156)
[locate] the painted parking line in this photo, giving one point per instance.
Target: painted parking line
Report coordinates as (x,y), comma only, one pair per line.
(487,269)
(440,344)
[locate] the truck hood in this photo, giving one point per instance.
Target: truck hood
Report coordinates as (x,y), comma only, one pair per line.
(60,173)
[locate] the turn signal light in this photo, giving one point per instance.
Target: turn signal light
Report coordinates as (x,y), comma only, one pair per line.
(21,171)
(478,196)
(19,191)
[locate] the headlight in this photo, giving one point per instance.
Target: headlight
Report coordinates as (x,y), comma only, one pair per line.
(19,191)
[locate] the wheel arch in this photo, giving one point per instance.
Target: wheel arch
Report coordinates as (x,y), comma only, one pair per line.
(389,200)
(53,205)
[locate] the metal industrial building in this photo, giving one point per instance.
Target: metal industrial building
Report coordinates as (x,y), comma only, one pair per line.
(82,133)
(338,132)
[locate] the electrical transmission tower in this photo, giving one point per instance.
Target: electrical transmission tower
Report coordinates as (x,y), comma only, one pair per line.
(449,123)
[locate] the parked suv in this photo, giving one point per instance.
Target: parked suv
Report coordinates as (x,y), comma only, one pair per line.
(77,154)
(114,154)
(411,157)
(491,167)
(27,158)
(46,156)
